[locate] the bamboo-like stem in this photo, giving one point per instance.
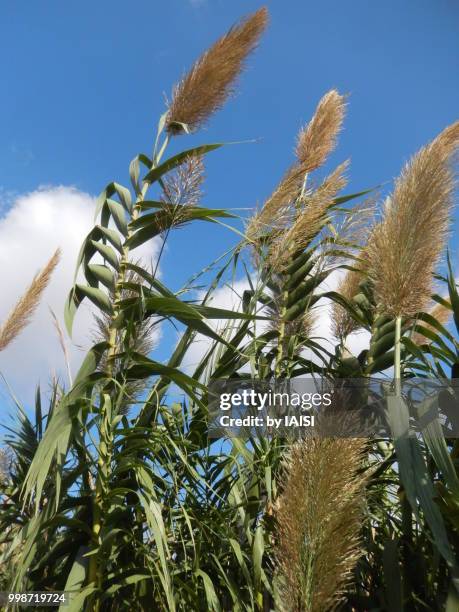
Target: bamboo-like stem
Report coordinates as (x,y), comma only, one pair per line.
(406,507)
(281,338)
(104,449)
(105,444)
(280,345)
(397,357)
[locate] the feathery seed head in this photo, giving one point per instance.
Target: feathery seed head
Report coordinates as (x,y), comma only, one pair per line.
(277,208)
(25,307)
(315,142)
(183,187)
(405,247)
(318,138)
(319,516)
(206,87)
(309,219)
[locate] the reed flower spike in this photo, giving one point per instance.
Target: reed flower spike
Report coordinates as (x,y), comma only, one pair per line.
(319,516)
(309,219)
(405,247)
(314,143)
(318,138)
(21,314)
(183,187)
(211,80)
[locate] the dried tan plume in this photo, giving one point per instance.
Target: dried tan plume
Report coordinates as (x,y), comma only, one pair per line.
(354,229)
(343,323)
(309,220)
(318,138)
(276,211)
(405,247)
(319,516)
(211,80)
(442,314)
(314,143)
(183,187)
(21,314)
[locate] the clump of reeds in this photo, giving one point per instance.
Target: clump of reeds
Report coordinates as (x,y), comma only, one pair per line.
(25,307)
(319,518)
(405,247)
(314,143)
(206,87)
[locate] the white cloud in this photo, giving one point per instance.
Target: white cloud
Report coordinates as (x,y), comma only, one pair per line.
(229,297)
(30,231)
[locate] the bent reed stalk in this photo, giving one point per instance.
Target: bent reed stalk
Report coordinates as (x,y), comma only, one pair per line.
(105,444)
(200,93)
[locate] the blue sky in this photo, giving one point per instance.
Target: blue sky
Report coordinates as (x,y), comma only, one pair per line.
(84,85)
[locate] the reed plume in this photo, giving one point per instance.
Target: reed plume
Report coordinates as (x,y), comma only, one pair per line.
(441,313)
(318,138)
(301,327)
(211,80)
(276,211)
(405,247)
(183,187)
(315,141)
(319,517)
(25,307)
(309,219)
